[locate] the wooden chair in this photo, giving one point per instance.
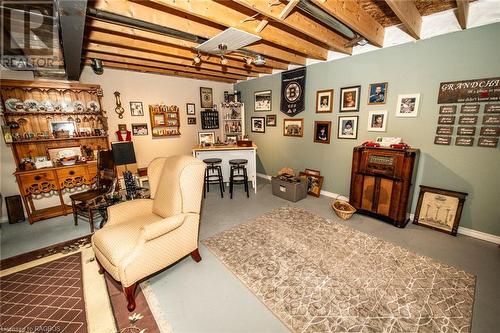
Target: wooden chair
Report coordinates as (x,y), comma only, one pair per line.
(87,203)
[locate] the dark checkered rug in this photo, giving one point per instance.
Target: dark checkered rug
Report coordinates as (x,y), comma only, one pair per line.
(45,298)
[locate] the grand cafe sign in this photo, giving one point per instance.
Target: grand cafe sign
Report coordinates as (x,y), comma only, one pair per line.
(480,90)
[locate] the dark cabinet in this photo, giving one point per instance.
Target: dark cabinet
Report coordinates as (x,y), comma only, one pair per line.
(382,182)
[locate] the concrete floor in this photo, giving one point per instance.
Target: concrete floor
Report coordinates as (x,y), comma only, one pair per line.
(207,297)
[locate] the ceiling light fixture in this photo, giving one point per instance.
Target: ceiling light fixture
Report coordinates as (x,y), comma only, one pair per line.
(259,60)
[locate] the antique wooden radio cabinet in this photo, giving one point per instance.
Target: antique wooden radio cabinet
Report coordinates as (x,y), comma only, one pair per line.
(382,182)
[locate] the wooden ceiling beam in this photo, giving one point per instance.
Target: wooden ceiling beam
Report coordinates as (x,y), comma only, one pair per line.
(408,14)
(159,64)
(153,70)
(116,40)
(201,29)
(355,17)
(114,50)
(219,13)
(299,22)
(462,13)
(170,42)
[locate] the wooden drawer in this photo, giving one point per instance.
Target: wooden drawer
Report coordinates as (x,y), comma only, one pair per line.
(37,182)
(37,177)
(71,177)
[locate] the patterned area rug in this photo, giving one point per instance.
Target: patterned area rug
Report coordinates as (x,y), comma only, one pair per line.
(45,298)
(317,275)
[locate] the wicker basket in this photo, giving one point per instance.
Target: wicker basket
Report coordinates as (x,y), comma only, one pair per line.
(343,209)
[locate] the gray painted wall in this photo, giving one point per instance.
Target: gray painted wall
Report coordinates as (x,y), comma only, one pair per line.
(410,68)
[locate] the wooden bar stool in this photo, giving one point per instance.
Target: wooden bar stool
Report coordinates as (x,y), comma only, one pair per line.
(238,174)
(213,175)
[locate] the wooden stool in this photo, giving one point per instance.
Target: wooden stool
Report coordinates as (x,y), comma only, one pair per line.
(237,166)
(213,165)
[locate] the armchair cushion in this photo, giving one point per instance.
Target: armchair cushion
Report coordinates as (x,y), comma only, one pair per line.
(162,227)
(118,240)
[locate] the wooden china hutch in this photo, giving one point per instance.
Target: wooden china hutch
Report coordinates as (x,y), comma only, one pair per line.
(46,122)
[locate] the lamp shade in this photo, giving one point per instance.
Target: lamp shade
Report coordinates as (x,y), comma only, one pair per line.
(123,152)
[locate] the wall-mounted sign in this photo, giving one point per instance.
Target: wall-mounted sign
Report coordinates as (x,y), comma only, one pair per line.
(467,120)
(466,131)
(492,108)
(488,142)
(479,90)
(444,130)
(448,109)
(293,85)
(490,131)
(464,141)
(442,140)
(470,108)
(446,120)
(491,120)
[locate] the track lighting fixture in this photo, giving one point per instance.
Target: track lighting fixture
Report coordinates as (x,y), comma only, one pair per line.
(197,59)
(259,60)
(223,60)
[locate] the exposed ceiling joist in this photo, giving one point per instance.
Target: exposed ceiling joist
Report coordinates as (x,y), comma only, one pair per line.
(163,65)
(124,51)
(72,23)
(298,21)
(285,11)
(409,15)
(228,17)
(352,15)
(202,29)
(462,13)
(145,69)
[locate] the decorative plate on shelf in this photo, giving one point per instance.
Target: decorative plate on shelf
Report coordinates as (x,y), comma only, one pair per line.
(46,105)
(11,104)
(78,106)
(31,105)
(67,107)
(93,106)
(57,106)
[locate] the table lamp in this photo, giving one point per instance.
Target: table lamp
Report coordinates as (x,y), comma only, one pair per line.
(123,154)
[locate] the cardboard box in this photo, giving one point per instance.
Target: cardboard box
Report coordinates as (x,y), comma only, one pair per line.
(289,191)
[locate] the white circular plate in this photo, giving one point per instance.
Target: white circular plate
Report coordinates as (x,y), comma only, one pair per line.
(78,106)
(93,106)
(31,105)
(10,104)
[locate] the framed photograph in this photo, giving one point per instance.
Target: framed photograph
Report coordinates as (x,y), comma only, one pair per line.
(348,127)
(271,120)
(7,135)
(206,97)
(140,129)
(314,183)
(377,93)
(349,99)
(190,109)
(322,131)
(407,105)
(57,126)
(206,138)
(293,127)
(231,139)
(191,120)
(60,152)
(158,119)
(439,209)
(312,172)
(136,109)
(324,101)
(377,121)
(263,100)
(258,124)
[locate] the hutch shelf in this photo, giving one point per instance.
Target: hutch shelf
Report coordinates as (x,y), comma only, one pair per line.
(164,120)
(42,120)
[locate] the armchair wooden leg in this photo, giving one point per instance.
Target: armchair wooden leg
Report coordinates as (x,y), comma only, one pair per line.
(130,295)
(196,255)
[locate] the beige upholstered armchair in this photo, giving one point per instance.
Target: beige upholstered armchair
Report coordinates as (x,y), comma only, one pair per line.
(144,236)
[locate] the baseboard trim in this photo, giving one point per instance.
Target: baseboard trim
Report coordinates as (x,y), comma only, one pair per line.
(473,233)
